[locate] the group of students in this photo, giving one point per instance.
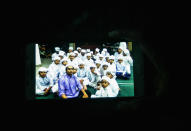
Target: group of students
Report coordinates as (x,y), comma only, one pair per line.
(73,74)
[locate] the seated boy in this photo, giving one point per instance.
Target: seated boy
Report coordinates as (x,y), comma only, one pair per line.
(112,65)
(63,65)
(104,69)
(105,89)
(82,75)
(43,82)
(121,70)
(114,85)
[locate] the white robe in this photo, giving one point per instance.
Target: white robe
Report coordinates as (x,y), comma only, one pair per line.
(43,83)
(104,92)
(93,79)
(114,86)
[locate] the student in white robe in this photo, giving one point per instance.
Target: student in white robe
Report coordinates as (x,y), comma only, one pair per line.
(54,70)
(96,54)
(121,70)
(83,55)
(88,61)
(72,60)
(105,53)
(98,66)
(119,53)
(82,75)
(57,49)
(61,54)
(112,65)
(114,85)
(104,69)
(128,61)
(43,82)
(70,50)
(93,76)
(79,50)
(105,90)
(101,58)
(77,58)
(63,65)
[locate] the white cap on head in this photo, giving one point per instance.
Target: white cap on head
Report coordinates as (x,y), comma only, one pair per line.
(72,54)
(83,51)
(42,69)
(126,51)
(104,49)
(78,48)
(56,58)
(64,59)
(71,48)
(112,57)
(76,52)
(123,45)
(88,54)
(81,62)
(105,63)
(93,65)
(61,53)
(57,48)
(106,78)
(88,50)
(91,52)
(120,58)
(97,49)
(100,55)
(98,62)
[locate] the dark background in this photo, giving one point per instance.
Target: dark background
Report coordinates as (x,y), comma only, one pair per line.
(155,26)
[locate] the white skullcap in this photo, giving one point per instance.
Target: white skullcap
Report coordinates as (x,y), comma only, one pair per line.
(78,48)
(71,48)
(126,51)
(91,52)
(100,55)
(64,59)
(97,61)
(105,63)
(42,69)
(88,54)
(72,54)
(88,50)
(93,65)
(120,58)
(104,49)
(56,58)
(81,62)
(97,49)
(61,53)
(106,78)
(121,47)
(57,48)
(76,51)
(83,51)
(112,57)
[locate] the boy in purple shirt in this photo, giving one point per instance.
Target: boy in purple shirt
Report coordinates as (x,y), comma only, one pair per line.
(69,86)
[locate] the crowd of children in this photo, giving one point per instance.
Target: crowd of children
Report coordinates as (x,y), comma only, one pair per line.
(97,70)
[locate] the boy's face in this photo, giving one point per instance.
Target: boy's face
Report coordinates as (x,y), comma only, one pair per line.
(82,53)
(57,62)
(105,67)
(64,63)
(109,75)
(119,50)
(92,69)
(111,61)
(71,57)
(79,50)
(101,58)
(76,54)
(69,70)
(42,74)
(74,71)
(81,66)
(69,51)
(61,57)
(120,61)
(98,65)
(104,83)
(88,57)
